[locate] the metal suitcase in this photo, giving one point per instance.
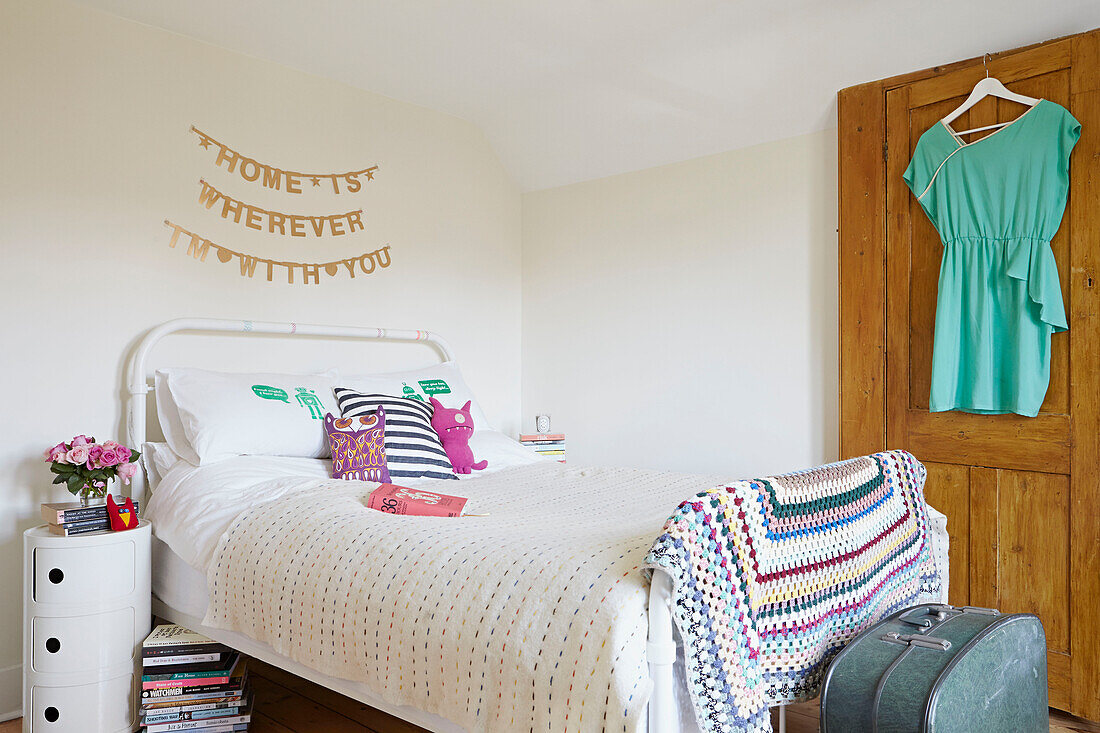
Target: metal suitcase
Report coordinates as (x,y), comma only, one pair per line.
(940,669)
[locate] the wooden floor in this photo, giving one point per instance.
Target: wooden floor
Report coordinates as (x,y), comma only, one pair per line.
(289,704)
(285,703)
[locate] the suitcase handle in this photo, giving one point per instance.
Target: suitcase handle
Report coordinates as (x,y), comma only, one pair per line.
(928,642)
(925,616)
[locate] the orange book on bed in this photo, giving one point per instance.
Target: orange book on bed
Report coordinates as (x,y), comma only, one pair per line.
(395,499)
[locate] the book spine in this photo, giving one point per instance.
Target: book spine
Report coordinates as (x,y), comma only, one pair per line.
(175,689)
(181,659)
(61,516)
(218,725)
(155,717)
(81,514)
(64,531)
(102,523)
(176,708)
(189,682)
(541,436)
(187,695)
(213,676)
(183,649)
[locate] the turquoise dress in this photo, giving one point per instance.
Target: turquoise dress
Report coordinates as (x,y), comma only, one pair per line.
(996,203)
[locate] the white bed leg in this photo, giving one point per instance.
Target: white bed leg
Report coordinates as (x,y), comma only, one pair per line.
(782,719)
(661,650)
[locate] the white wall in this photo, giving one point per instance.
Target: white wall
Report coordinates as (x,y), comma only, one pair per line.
(685,317)
(682,317)
(94,114)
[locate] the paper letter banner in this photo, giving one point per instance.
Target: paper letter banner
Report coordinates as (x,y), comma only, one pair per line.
(198,247)
(274,222)
(269,176)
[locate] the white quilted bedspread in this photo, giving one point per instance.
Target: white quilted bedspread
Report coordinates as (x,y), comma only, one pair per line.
(531,618)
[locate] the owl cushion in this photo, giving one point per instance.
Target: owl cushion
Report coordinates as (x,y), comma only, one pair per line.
(358,447)
(413,449)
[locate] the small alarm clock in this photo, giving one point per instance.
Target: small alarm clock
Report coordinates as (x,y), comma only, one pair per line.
(542,423)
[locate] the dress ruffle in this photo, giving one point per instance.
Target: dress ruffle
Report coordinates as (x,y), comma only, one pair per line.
(1032,261)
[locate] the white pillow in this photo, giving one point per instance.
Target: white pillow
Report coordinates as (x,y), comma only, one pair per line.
(224,415)
(158,459)
(500,451)
(442,381)
(170,422)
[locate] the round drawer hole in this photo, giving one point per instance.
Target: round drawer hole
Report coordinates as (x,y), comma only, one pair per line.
(53,645)
(56,576)
(51,715)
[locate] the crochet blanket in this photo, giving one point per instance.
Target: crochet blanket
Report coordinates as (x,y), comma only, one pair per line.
(771,577)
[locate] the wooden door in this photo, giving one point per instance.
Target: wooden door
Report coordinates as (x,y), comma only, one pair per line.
(1022,495)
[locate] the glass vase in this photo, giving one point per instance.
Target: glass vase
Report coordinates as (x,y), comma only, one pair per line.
(93,496)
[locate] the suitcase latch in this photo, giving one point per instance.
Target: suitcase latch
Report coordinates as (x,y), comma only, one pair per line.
(928,642)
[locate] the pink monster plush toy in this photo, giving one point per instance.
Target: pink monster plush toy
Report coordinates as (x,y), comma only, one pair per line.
(455,428)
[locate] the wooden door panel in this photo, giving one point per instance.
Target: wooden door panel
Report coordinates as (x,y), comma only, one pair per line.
(1008,68)
(1060,682)
(947,488)
(1033,550)
(989,440)
(925,255)
(1020,558)
(862,287)
(1082,220)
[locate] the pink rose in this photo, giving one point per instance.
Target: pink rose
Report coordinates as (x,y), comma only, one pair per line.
(124,454)
(126,472)
(110,444)
(56,454)
(77,454)
(107,458)
(80,440)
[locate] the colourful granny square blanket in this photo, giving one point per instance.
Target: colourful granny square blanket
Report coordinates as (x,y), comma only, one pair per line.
(771,577)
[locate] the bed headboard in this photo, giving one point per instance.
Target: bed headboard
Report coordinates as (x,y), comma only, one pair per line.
(138,382)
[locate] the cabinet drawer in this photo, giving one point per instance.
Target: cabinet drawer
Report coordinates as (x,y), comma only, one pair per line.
(105,707)
(84,575)
(83,643)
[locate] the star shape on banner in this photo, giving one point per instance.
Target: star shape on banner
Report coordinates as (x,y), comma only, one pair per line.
(204,142)
(316,180)
(370,175)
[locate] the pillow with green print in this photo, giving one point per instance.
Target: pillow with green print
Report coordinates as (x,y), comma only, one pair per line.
(442,381)
(224,414)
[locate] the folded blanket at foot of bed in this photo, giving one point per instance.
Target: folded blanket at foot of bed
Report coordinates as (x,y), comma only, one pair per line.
(773,576)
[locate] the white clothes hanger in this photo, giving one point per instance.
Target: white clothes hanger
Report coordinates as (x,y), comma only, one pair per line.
(987,87)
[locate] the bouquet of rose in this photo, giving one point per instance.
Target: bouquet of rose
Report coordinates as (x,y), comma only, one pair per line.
(85,467)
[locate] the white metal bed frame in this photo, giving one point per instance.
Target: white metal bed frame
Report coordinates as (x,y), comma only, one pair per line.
(660,647)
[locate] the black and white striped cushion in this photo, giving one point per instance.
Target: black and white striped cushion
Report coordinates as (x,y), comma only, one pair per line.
(413,449)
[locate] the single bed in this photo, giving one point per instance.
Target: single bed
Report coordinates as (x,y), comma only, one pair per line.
(211,517)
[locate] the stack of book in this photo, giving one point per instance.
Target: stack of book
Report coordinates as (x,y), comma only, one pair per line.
(547,445)
(192,683)
(69,518)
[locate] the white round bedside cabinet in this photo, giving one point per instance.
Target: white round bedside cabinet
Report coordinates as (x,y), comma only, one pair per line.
(85,613)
